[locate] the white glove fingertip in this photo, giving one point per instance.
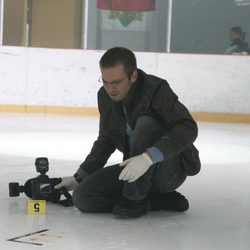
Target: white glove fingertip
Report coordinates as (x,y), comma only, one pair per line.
(124,175)
(121,176)
(124,163)
(132,179)
(58,186)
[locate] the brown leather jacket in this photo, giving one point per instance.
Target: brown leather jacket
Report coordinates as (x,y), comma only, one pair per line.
(149,95)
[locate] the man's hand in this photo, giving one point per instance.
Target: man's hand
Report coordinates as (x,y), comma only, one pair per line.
(68,182)
(135,167)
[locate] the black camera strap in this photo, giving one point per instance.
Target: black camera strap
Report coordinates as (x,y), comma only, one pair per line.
(68,202)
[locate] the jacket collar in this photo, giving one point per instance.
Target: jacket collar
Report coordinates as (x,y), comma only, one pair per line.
(134,88)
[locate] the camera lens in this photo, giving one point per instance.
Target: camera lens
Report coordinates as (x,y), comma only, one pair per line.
(14,189)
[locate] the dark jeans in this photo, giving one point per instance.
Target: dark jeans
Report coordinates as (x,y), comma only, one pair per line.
(101,190)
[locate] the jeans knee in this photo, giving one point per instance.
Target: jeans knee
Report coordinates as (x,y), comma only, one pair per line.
(81,198)
(88,199)
(78,199)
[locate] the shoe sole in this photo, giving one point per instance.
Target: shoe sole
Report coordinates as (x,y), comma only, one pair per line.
(127,213)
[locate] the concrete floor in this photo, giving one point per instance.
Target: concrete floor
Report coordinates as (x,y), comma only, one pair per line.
(219,196)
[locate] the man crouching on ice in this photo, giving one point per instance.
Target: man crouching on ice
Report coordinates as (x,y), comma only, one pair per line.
(141,116)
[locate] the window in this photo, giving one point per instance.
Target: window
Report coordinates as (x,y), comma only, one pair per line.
(177,26)
(140,25)
(202,26)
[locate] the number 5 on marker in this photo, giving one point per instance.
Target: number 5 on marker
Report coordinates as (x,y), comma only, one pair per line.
(36,207)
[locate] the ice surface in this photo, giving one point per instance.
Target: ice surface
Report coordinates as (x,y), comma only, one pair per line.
(219,196)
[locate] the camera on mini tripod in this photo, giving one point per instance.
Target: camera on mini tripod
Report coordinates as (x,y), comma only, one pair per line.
(41,187)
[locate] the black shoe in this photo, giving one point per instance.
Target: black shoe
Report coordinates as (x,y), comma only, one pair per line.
(172,201)
(130,208)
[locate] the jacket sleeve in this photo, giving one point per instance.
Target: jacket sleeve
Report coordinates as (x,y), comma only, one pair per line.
(103,146)
(181,128)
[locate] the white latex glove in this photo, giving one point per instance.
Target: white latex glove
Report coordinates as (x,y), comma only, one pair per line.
(135,167)
(68,182)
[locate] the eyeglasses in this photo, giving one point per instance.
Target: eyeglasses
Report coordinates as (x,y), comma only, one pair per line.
(115,82)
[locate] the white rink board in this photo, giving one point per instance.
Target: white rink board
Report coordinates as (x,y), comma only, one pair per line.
(69,78)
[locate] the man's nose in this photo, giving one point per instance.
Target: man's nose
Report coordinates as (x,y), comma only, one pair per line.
(111,86)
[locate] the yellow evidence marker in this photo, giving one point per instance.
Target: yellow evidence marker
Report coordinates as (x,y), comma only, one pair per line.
(36,207)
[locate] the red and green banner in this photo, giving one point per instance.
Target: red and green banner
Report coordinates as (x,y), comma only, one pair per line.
(127,5)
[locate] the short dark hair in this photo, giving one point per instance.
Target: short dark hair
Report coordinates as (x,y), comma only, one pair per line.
(119,55)
(237,29)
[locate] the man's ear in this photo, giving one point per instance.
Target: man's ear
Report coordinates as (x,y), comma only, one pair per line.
(134,76)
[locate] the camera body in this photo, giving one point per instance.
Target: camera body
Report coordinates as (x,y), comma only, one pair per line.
(39,188)
(42,187)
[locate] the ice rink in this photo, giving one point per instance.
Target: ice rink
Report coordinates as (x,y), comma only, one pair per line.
(219,214)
